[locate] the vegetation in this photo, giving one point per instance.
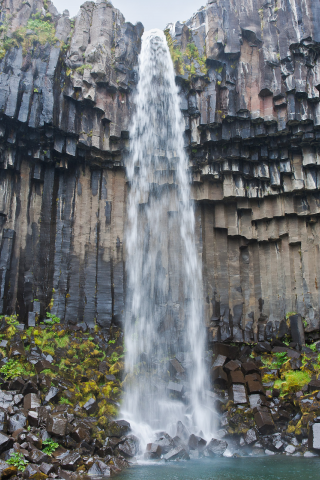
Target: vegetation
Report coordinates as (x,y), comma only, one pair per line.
(51,319)
(86,66)
(292,381)
(176,54)
(50,446)
(42,32)
(18,460)
(13,369)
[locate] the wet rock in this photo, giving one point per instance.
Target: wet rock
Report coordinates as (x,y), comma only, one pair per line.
(255,387)
(177,453)
(57,425)
(17,384)
(46,468)
(290,449)
(249,367)
(196,443)
(165,443)
(52,394)
(232,366)
(42,365)
(314,437)
(238,394)
(3,422)
(256,400)
(176,367)
(36,441)
(262,347)
(31,401)
(236,377)
(130,447)
(215,448)
(37,457)
(314,385)
(71,461)
(264,421)
(33,472)
(219,361)
(5,442)
(30,387)
(91,406)
(80,434)
(219,377)
(251,436)
(99,468)
(16,421)
(118,428)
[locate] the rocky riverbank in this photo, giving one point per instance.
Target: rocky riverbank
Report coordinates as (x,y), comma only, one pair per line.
(60,392)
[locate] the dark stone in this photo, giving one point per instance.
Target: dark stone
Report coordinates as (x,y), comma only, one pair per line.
(46,468)
(118,428)
(262,347)
(314,385)
(264,422)
(57,425)
(229,351)
(80,434)
(52,394)
(165,442)
(232,366)
(219,377)
(6,470)
(30,387)
(91,406)
(297,330)
(42,365)
(17,384)
(251,436)
(36,456)
(255,387)
(176,366)
(16,421)
(36,441)
(219,361)
(99,468)
(130,447)
(216,448)
(236,377)
(3,421)
(31,401)
(71,461)
(5,442)
(249,367)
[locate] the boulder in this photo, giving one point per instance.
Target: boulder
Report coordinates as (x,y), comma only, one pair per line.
(99,468)
(130,447)
(117,428)
(46,468)
(196,443)
(264,421)
(236,377)
(314,436)
(297,330)
(71,461)
(238,394)
(215,448)
(7,470)
(5,442)
(57,425)
(16,421)
(262,347)
(29,387)
(177,453)
(232,366)
(3,421)
(176,367)
(153,451)
(80,434)
(314,385)
(52,394)
(249,367)
(255,387)
(219,361)
(251,436)
(165,443)
(42,365)
(31,402)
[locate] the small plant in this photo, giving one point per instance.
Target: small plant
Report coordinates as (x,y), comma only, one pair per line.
(313,347)
(290,314)
(305,323)
(50,446)
(111,342)
(51,319)
(13,369)
(18,460)
(64,401)
(13,320)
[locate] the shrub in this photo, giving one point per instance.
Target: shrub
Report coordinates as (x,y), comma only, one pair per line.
(13,369)
(18,460)
(50,446)
(51,319)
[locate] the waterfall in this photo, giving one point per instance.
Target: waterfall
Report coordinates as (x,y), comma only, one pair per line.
(164,315)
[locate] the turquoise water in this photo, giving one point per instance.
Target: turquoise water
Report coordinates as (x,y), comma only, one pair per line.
(262,468)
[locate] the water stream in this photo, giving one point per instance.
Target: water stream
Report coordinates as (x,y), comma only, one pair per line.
(164,315)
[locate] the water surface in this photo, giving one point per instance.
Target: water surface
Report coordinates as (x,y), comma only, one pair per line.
(262,468)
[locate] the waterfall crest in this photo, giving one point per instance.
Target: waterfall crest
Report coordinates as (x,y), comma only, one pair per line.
(164,316)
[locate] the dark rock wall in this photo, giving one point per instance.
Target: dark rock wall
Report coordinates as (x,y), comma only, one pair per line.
(250,78)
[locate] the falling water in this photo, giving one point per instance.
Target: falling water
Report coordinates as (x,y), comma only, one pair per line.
(163,306)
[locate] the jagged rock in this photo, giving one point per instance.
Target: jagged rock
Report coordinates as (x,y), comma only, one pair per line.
(52,394)
(6,470)
(196,443)
(165,442)
(99,468)
(236,377)
(80,434)
(57,425)
(251,436)
(5,442)
(238,394)
(264,421)
(177,453)
(232,366)
(16,421)
(130,447)
(71,461)
(215,448)
(219,377)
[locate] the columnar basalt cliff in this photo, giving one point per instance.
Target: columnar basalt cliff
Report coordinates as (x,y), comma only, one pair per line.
(250,78)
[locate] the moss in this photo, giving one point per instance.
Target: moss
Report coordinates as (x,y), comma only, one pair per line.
(84,67)
(176,54)
(292,381)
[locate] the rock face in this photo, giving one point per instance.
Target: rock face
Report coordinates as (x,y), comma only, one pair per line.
(250,80)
